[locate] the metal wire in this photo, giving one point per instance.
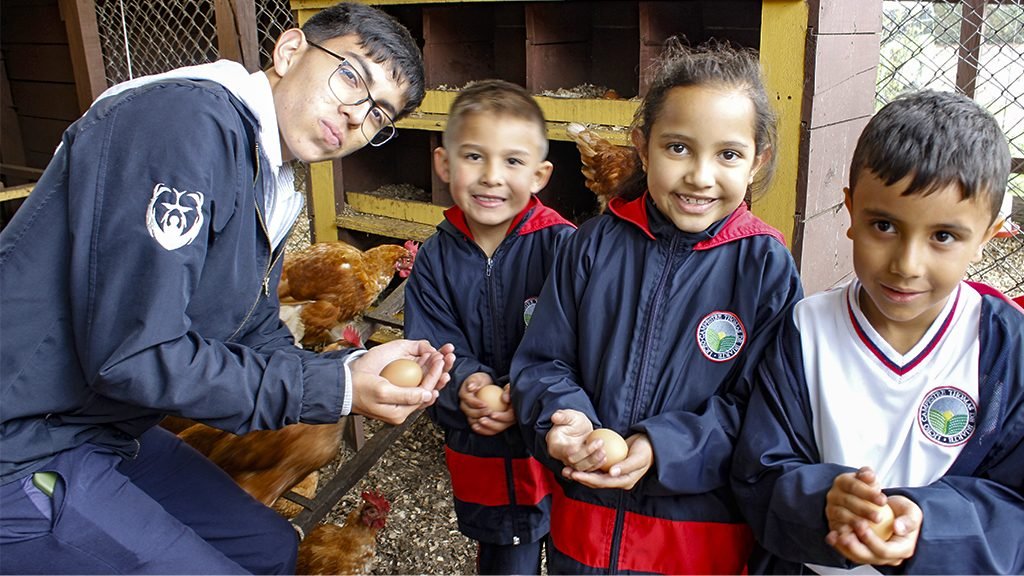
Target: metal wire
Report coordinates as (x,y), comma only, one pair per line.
(976,48)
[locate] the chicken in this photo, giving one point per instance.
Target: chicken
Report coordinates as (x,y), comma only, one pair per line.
(347,549)
(267,463)
(606,166)
(332,282)
(305,488)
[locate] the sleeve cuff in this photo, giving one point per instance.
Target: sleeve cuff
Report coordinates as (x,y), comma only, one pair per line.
(346,394)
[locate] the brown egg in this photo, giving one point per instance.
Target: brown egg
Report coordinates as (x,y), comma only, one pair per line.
(491,395)
(884,529)
(403,372)
(615,448)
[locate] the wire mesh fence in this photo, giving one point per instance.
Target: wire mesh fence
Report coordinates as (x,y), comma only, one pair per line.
(141,37)
(977,48)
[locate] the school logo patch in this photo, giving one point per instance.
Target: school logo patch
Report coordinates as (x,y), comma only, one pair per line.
(721,336)
(174,217)
(947,416)
(528,305)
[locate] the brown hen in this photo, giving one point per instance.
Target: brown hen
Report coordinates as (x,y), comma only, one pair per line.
(330,283)
(347,549)
(267,463)
(605,165)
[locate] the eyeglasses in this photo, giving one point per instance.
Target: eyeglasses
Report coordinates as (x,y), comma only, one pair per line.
(350,89)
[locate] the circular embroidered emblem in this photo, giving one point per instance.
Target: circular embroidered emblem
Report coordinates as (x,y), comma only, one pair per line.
(720,336)
(174,218)
(947,416)
(528,305)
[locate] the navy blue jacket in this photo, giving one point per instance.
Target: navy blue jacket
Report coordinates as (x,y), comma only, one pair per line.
(971,515)
(121,304)
(648,329)
(457,294)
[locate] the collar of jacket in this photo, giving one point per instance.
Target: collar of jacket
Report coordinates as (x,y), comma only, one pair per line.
(740,224)
(541,217)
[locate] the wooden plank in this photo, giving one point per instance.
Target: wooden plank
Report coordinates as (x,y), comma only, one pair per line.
(350,473)
(845,17)
(614,133)
(15,192)
(382,226)
(86,52)
(783,41)
(12,148)
(830,149)
(322,205)
(558,23)
(236,32)
(39,63)
(408,210)
(42,134)
(583,110)
(39,23)
(458,24)
(454,64)
(844,78)
(969,50)
(45,100)
(554,66)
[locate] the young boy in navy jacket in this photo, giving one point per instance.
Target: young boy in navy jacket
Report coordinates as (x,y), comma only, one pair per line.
(475,284)
(900,393)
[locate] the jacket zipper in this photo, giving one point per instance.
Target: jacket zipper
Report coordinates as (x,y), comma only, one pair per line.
(657,296)
(271,262)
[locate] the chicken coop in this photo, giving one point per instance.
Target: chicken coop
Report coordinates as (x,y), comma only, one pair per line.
(829,65)
(590,62)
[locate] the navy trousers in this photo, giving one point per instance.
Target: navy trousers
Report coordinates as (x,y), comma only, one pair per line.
(509,559)
(168,511)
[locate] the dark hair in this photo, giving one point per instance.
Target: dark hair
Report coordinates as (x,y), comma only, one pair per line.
(385,40)
(942,139)
(715,64)
(496,97)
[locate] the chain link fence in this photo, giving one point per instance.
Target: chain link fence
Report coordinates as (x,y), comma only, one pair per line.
(141,37)
(977,48)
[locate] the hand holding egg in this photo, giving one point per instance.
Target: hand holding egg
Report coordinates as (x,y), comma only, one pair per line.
(615,448)
(491,394)
(884,528)
(403,372)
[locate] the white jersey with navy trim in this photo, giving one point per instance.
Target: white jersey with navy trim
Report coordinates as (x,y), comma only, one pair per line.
(906,415)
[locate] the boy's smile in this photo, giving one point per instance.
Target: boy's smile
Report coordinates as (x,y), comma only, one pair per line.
(493,168)
(911,252)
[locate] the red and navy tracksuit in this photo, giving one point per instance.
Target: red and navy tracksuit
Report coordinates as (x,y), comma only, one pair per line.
(648,329)
(482,305)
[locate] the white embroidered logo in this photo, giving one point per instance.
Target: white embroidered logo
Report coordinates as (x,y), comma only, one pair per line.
(174,217)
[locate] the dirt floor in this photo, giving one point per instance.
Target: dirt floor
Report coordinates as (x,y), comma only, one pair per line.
(421,536)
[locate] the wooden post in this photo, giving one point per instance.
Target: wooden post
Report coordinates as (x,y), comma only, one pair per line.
(236,32)
(968,55)
(86,54)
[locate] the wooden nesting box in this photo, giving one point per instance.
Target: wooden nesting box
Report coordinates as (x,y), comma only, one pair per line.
(589,62)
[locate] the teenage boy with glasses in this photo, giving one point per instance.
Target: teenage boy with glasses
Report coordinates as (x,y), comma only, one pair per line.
(137,281)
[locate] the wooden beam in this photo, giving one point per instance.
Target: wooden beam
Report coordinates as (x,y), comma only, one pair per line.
(86,53)
(969,52)
(12,149)
(236,32)
(784,25)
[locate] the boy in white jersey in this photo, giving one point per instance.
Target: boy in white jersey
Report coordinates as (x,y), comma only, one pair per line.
(902,390)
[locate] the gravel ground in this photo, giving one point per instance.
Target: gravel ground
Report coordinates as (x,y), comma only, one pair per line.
(421,535)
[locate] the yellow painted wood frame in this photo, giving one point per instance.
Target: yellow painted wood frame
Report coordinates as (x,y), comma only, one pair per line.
(783,46)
